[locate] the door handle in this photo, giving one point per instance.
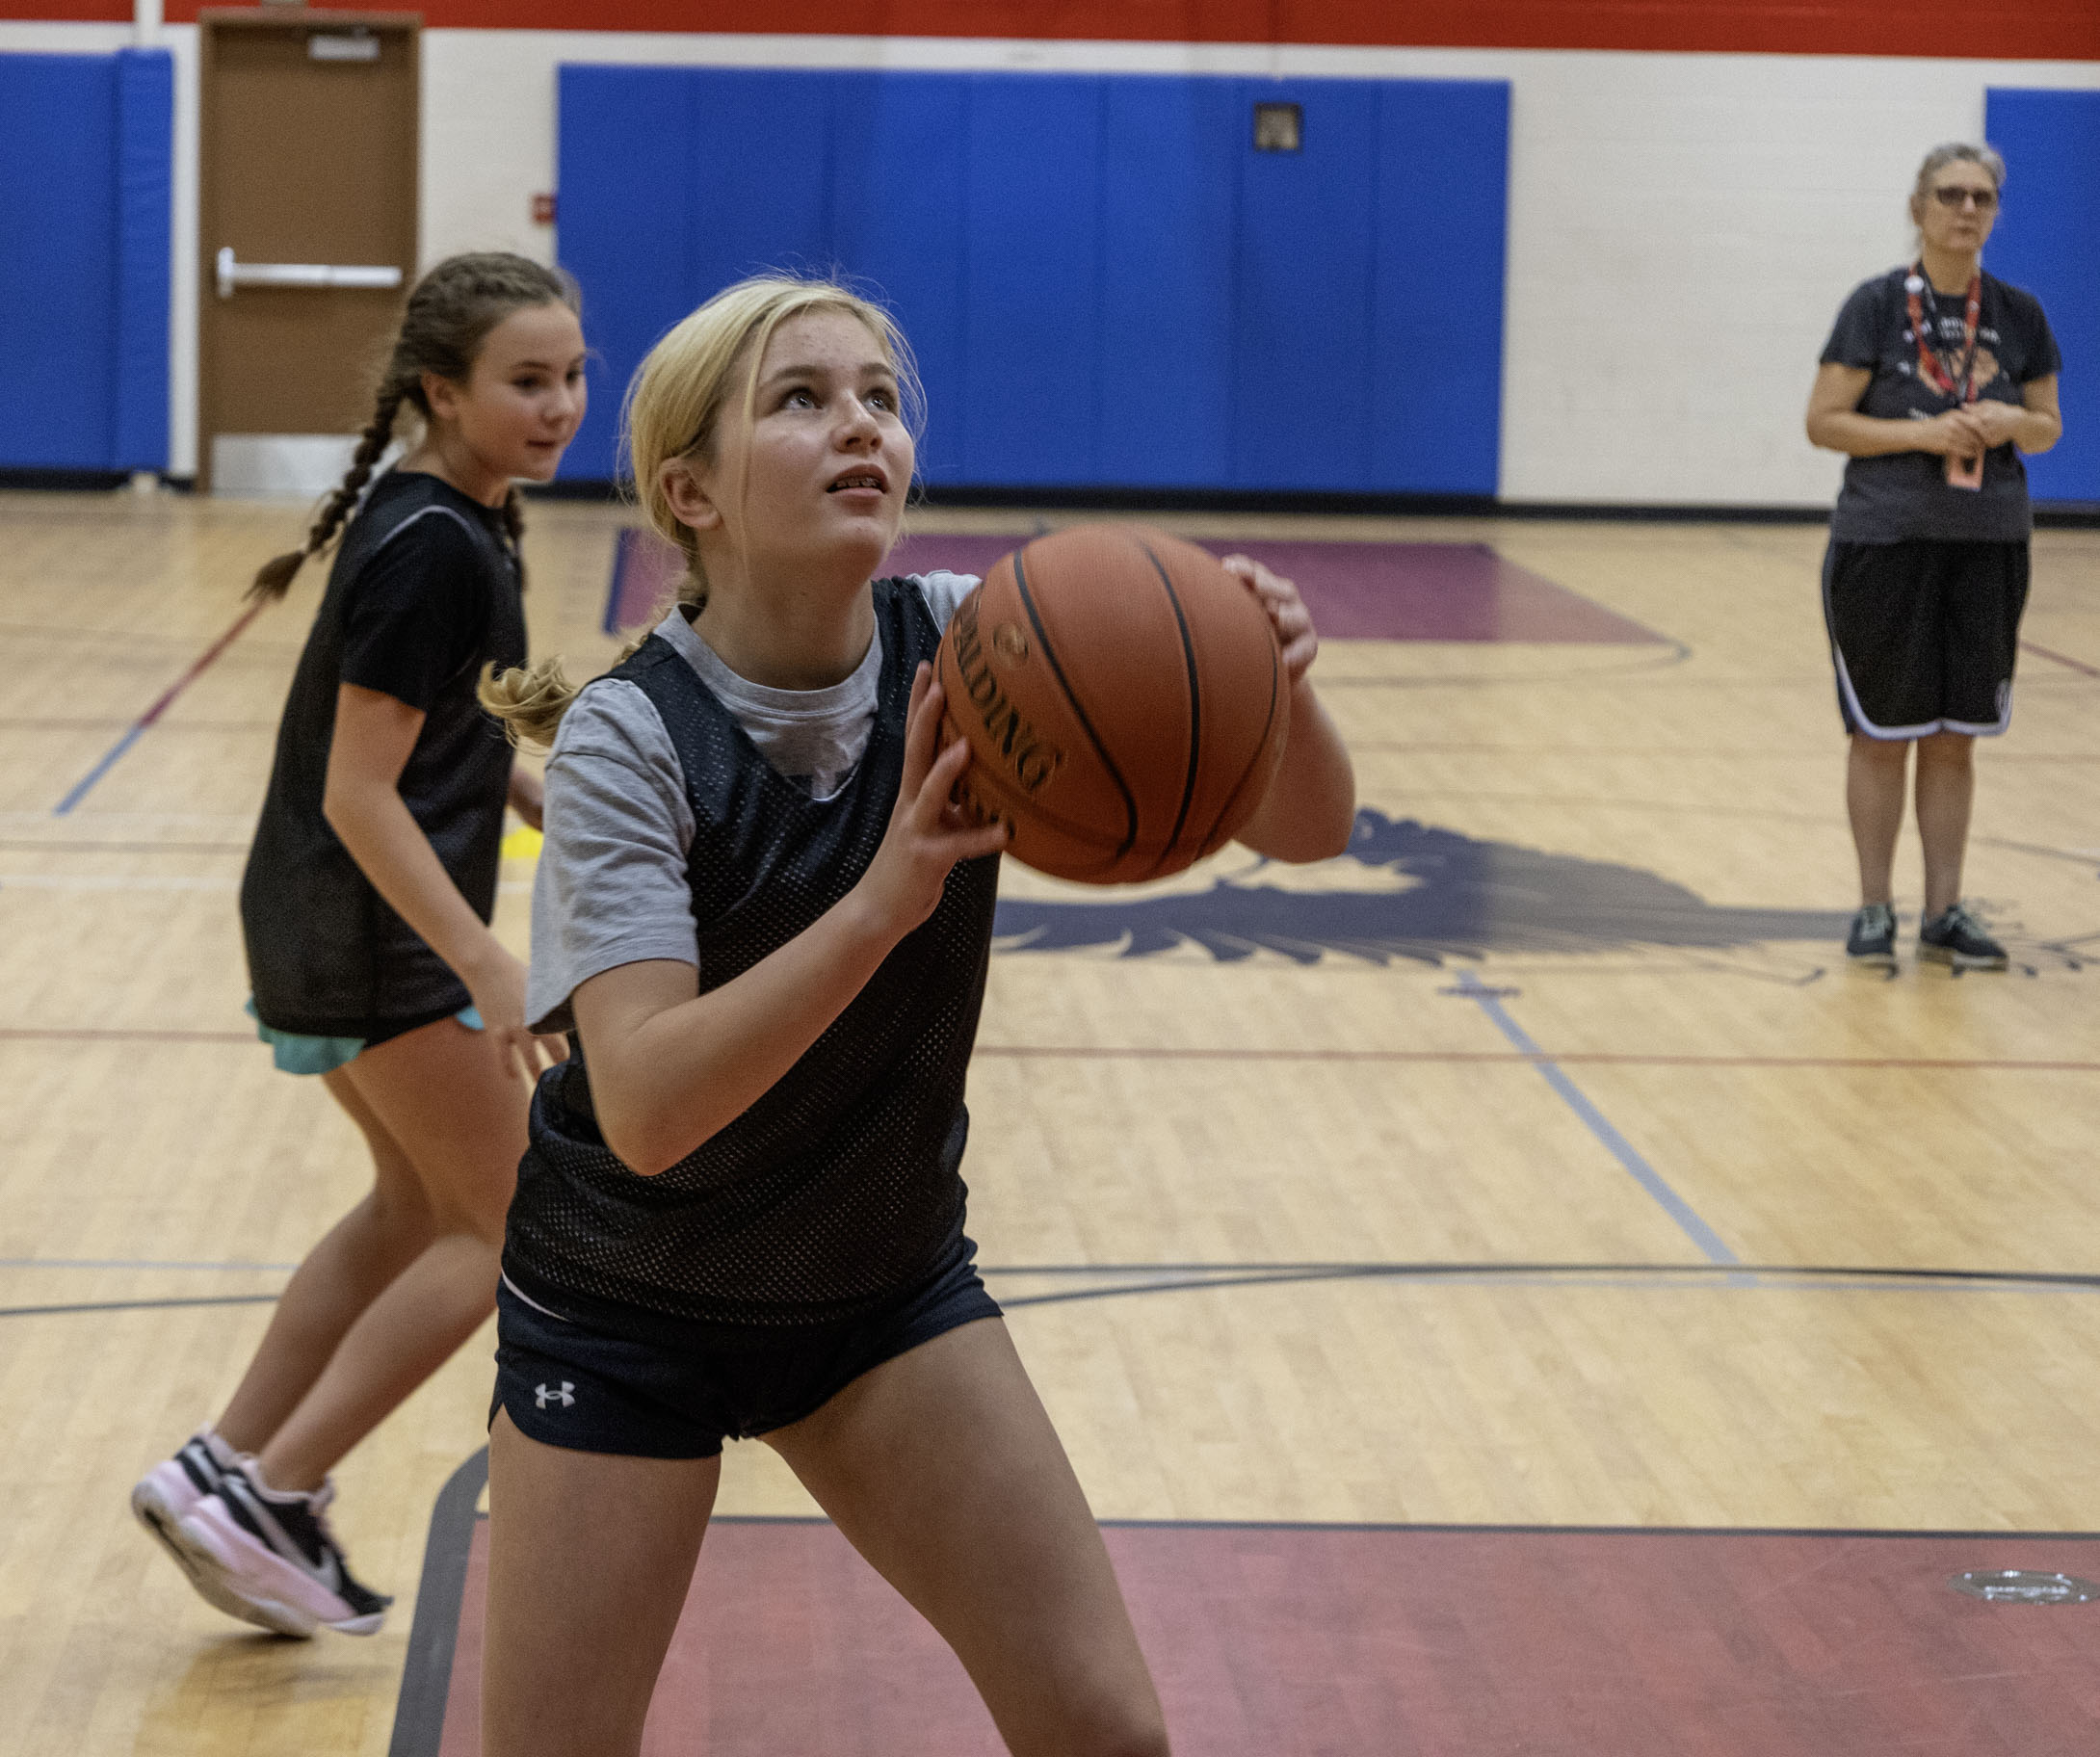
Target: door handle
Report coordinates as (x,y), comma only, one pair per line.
(233,274)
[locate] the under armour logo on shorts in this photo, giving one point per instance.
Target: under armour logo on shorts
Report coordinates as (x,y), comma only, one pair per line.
(565,1396)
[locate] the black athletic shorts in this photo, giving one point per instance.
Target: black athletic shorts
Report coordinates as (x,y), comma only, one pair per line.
(1924,635)
(682,1394)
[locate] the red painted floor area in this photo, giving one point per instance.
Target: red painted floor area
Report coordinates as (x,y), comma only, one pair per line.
(1292,1642)
(1356,592)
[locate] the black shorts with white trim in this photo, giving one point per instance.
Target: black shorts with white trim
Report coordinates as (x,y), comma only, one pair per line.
(1924,635)
(678,1394)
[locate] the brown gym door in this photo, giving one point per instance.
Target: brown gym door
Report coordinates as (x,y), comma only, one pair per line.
(308,163)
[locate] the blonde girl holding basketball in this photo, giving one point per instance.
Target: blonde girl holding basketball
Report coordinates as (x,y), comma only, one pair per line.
(365,910)
(741,1214)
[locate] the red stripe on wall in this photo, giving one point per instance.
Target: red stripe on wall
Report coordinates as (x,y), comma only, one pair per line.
(70,12)
(2045,30)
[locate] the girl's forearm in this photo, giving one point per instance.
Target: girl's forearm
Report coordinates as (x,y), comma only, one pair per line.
(1310,807)
(669,1074)
(526,794)
(389,844)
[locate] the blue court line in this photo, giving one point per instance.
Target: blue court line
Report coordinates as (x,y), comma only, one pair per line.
(1597,1123)
(132,1263)
(625,556)
(1762,1277)
(110,759)
(135,1305)
(140,727)
(609,623)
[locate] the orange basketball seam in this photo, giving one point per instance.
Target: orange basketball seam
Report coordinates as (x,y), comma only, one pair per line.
(1195,706)
(1078,712)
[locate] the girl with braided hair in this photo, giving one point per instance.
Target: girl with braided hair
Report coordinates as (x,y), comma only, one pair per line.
(365,909)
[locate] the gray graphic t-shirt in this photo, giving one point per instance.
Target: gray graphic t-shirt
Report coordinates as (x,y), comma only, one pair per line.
(1906,495)
(612,887)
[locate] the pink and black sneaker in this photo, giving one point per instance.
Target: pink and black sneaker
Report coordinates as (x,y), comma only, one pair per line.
(172,1490)
(274,1552)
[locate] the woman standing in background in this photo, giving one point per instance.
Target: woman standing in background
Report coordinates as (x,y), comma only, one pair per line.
(1934,381)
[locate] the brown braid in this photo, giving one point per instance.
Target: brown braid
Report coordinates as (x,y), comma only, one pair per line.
(448,317)
(274,578)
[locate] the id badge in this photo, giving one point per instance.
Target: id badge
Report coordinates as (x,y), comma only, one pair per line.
(1965,472)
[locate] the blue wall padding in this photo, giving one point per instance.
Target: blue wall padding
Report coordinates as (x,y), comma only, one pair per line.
(1306,377)
(1168,220)
(898,216)
(2048,241)
(145,124)
(58,258)
(1032,281)
(85,143)
(1104,284)
(758,170)
(1440,265)
(630,215)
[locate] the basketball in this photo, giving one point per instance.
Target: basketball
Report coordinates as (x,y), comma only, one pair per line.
(1124,699)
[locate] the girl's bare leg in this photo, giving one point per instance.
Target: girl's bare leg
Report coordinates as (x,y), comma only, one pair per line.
(1946,787)
(343,1273)
(1873,801)
(453,1100)
(589,1557)
(941,1468)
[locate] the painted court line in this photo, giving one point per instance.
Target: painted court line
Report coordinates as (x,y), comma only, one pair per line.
(133,1262)
(1123,1280)
(1077,1052)
(77,846)
(77,883)
(1597,1123)
(15,1034)
(135,1305)
(140,727)
(2044,653)
(1597,1057)
(1666,1584)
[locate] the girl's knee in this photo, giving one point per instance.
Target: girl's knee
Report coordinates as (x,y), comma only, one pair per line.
(1890,752)
(480,1229)
(1139,1735)
(1117,1724)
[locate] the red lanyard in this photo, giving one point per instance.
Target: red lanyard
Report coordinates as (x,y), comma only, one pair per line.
(1917,290)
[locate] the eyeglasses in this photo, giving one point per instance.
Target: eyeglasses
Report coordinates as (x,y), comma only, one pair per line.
(1959,194)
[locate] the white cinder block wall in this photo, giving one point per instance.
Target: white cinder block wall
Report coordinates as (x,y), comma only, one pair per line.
(1682,227)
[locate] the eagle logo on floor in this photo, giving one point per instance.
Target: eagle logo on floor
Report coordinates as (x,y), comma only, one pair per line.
(1404,889)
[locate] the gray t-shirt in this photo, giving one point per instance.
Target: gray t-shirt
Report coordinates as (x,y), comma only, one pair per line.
(611,886)
(1902,496)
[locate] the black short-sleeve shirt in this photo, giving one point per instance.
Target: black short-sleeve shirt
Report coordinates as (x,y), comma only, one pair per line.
(423,594)
(1903,496)
(418,612)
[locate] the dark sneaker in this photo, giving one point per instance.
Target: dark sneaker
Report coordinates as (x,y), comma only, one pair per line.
(172,1490)
(1954,937)
(275,1552)
(1870,945)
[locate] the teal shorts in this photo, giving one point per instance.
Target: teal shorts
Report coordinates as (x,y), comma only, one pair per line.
(300,1055)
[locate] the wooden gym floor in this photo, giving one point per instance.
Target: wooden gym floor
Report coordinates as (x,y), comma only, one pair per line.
(1535,1165)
